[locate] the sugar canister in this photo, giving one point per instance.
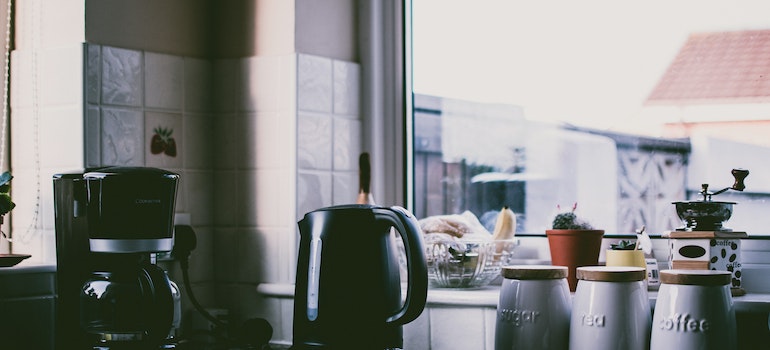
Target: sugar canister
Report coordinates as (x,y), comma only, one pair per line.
(534,308)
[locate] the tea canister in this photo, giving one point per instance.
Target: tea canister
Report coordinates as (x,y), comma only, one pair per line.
(694,310)
(611,309)
(534,308)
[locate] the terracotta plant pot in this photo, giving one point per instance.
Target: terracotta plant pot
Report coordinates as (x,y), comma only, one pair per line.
(574,248)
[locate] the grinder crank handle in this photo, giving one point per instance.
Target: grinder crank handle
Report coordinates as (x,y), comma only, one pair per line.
(739,175)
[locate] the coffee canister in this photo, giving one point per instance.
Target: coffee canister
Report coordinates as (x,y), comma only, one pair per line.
(694,310)
(534,308)
(611,309)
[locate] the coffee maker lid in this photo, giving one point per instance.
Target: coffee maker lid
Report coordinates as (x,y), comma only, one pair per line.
(134,171)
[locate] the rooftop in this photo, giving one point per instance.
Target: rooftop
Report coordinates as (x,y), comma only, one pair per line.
(720,67)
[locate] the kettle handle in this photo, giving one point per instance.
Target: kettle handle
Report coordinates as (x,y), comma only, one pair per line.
(417,288)
(158,292)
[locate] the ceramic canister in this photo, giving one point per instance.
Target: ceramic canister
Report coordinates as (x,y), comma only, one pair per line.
(694,310)
(611,309)
(534,308)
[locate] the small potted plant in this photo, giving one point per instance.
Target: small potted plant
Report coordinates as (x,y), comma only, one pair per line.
(573,243)
(6,204)
(627,253)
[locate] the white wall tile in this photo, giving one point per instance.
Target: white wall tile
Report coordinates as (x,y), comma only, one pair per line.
(60,74)
(271,187)
(225,147)
(347,143)
(287,128)
(198,151)
(314,141)
(246,197)
(169,146)
(347,77)
(260,84)
(226,79)
(22,123)
(345,190)
(198,82)
(225,190)
(93,72)
(200,197)
(21,84)
(63,130)
(122,137)
(257,254)
(92,136)
(122,77)
(314,191)
(246,136)
(225,254)
(288,84)
(61,22)
(314,84)
(163,81)
(270,141)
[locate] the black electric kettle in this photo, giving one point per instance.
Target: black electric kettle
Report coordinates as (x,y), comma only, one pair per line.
(348,288)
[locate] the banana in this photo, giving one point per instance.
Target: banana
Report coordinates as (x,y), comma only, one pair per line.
(505,225)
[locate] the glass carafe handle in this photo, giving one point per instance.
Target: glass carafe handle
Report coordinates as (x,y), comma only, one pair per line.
(156,291)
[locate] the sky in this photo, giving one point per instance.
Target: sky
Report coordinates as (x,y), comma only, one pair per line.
(590,62)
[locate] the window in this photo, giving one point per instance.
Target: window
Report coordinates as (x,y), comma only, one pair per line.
(622,108)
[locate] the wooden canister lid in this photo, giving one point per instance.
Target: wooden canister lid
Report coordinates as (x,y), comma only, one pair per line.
(534,272)
(696,277)
(611,273)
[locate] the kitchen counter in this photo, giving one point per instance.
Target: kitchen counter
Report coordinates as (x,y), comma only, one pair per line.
(465,319)
(487,297)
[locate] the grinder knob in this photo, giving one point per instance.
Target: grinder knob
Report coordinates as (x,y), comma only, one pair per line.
(739,175)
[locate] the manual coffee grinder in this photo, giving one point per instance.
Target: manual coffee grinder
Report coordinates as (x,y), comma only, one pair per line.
(110,224)
(704,243)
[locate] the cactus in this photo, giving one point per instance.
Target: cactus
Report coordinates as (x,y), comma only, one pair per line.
(570,221)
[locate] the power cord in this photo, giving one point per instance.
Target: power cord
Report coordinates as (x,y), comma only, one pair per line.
(255,333)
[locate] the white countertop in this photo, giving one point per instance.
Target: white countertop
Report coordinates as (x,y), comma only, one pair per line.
(488,297)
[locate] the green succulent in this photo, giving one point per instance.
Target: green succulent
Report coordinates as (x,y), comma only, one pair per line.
(623,245)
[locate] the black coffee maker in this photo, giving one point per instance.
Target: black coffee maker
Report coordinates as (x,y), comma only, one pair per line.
(110,224)
(348,290)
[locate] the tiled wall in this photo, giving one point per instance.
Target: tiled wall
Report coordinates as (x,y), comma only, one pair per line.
(130,94)
(323,140)
(328,132)
(259,142)
(47,138)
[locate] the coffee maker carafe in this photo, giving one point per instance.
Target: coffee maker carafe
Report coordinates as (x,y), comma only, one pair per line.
(348,287)
(110,224)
